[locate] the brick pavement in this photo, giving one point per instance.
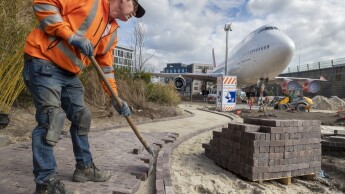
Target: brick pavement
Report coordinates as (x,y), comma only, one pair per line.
(116,150)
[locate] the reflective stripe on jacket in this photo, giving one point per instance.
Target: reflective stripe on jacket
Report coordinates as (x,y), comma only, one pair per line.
(59,19)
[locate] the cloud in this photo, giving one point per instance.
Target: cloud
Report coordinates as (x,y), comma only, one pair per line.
(187,30)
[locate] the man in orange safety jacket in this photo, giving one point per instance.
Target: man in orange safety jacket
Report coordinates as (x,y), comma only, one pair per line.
(56,51)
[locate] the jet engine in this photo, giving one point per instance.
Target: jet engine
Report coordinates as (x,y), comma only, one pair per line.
(290,85)
(179,83)
(311,86)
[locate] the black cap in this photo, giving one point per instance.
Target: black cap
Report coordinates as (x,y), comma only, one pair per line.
(140,11)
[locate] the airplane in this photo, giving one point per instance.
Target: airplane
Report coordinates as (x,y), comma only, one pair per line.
(257,60)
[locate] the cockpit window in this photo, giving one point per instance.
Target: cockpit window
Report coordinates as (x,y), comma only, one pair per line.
(268,28)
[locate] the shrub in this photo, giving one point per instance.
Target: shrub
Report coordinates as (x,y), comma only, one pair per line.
(137,92)
(146,77)
(163,94)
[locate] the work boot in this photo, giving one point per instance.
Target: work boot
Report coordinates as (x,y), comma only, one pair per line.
(51,186)
(90,173)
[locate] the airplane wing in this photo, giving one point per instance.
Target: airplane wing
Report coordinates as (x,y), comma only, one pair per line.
(195,76)
(301,79)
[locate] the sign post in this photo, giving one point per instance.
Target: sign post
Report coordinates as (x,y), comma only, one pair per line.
(226,93)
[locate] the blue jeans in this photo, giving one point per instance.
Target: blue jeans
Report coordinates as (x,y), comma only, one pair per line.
(54,87)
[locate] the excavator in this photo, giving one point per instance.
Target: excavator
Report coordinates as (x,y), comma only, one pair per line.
(295,100)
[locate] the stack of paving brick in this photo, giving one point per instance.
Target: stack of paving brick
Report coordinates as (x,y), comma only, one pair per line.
(262,149)
(335,142)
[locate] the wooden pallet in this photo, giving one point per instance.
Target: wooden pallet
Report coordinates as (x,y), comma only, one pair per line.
(287,180)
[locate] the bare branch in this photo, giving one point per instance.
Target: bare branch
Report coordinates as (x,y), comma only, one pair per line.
(137,43)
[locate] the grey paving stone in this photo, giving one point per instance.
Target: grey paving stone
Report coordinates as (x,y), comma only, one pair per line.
(111,151)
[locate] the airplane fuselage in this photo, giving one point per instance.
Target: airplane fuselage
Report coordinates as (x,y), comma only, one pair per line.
(263,54)
(259,57)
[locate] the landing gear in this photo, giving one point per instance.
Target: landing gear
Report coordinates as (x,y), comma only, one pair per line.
(261,85)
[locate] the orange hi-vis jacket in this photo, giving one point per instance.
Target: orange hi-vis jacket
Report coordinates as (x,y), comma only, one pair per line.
(59,19)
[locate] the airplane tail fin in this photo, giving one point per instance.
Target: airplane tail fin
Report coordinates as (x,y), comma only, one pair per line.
(214,59)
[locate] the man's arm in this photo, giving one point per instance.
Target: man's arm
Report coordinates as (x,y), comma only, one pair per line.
(108,71)
(105,59)
(49,14)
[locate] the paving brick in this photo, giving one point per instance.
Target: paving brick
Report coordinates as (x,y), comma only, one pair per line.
(264,149)
(336,139)
(122,191)
(160,185)
(249,128)
(254,121)
(260,143)
(271,122)
(339,132)
(168,140)
(138,150)
(277,143)
(267,129)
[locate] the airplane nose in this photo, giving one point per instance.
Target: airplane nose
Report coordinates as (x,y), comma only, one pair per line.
(283,50)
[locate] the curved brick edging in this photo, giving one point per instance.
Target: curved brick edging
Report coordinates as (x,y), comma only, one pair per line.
(216,112)
(140,122)
(163,176)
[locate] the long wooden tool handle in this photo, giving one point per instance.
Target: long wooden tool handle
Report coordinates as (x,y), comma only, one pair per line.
(119,103)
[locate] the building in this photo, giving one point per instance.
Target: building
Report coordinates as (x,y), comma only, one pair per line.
(123,57)
(199,86)
(176,68)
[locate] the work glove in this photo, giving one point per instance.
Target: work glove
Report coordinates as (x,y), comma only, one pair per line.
(124,110)
(82,44)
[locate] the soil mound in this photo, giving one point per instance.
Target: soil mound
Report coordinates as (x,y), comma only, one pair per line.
(323,103)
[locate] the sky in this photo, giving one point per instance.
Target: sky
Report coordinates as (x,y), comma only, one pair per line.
(185,31)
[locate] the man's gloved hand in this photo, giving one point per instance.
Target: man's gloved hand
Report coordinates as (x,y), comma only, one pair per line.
(124,110)
(81,43)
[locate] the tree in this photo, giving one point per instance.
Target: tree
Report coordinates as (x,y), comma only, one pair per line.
(137,44)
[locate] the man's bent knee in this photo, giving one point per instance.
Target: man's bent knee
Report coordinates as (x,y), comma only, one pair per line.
(83,121)
(56,121)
